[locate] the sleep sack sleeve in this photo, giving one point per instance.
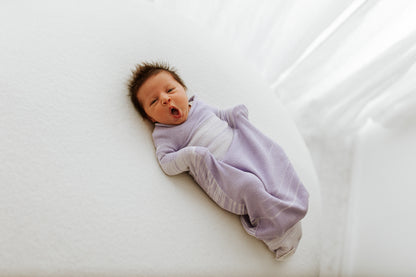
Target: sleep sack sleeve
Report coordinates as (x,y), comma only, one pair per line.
(231,114)
(176,162)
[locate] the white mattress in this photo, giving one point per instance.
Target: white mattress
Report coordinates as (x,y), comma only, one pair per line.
(81,190)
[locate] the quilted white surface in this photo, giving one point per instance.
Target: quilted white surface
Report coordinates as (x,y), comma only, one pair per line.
(81,190)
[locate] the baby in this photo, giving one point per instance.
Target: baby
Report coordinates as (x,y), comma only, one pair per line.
(241,169)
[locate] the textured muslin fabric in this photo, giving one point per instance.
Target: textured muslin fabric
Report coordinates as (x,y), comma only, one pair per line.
(255,179)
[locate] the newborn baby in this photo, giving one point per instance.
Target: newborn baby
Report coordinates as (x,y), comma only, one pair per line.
(241,169)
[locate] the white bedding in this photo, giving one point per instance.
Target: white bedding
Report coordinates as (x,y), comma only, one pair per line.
(81,190)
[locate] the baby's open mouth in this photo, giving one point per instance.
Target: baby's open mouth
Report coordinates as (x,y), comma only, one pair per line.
(174,111)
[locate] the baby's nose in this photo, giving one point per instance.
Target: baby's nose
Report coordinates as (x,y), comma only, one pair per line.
(165,99)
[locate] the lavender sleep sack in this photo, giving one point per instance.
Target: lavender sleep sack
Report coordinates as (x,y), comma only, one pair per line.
(241,169)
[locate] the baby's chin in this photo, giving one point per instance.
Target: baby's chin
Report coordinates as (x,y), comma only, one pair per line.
(173,121)
(180,120)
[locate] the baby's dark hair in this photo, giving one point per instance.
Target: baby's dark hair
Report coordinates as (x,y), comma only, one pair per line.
(143,72)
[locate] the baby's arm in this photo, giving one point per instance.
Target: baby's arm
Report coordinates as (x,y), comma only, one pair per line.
(231,115)
(176,162)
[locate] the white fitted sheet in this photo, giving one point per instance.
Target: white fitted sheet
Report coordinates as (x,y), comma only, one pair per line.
(81,190)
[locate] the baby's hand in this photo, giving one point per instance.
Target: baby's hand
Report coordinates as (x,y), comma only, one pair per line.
(179,161)
(231,115)
(240,111)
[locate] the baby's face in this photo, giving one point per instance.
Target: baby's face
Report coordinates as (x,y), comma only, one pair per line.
(163,99)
